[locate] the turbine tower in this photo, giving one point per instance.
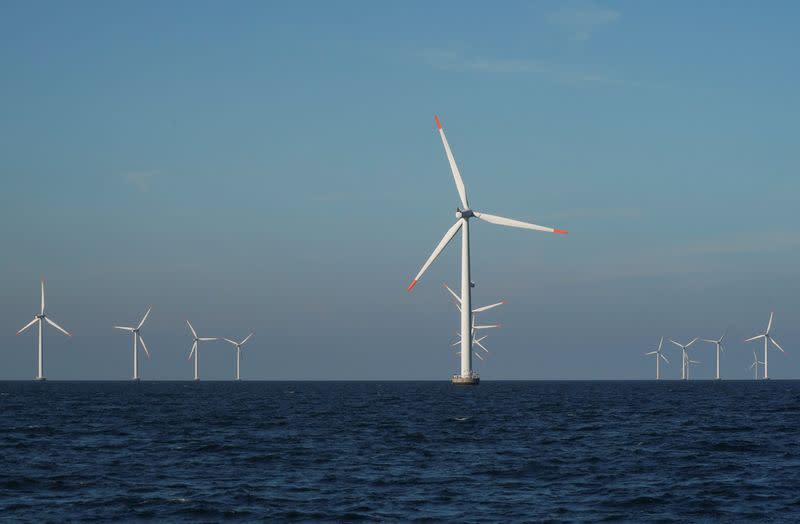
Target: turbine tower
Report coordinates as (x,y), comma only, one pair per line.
(195,349)
(40,319)
(755,364)
(475,341)
(659,355)
(720,348)
(238,346)
(137,337)
(767,339)
(684,358)
(463,215)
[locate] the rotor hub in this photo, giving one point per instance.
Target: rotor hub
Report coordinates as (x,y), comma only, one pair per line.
(466,214)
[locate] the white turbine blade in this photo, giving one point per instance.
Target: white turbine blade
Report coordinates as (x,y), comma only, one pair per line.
(123,328)
(206,339)
(694,362)
(665,358)
(42,313)
(660,343)
(755,357)
(692,342)
(754,338)
(707,340)
(456,343)
(493,219)
(776,344)
(486,308)
(488,326)
(442,243)
(484,337)
(458,307)
(723,336)
(194,348)
(652,353)
(458,298)
(194,333)
(144,346)
(477,355)
(752,366)
(229,341)
(144,318)
(57,327)
(481,346)
(245,339)
(462,192)
(676,343)
(769,325)
(29,324)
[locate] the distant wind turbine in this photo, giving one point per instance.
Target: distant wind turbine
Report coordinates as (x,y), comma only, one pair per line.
(475,341)
(137,337)
(238,346)
(40,319)
(720,348)
(767,339)
(195,348)
(659,355)
(754,365)
(684,357)
(688,366)
(463,215)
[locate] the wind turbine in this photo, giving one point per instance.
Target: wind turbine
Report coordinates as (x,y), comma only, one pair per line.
(463,215)
(137,337)
(40,319)
(720,348)
(659,355)
(195,348)
(684,357)
(238,346)
(755,364)
(767,339)
(475,341)
(689,361)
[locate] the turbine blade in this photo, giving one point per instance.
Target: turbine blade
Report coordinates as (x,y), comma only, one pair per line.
(501,221)
(665,358)
(456,343)
(481,346)
(144,318)
(42,313)
(752,366)
(29,324)
(194,333)
(194,348)
(477,355)
(660,343)
(769,325)
(776,344)
(489,326)
(676,343)
(458,298)
(754,338)
(652,353)
(442,243)
(707,340)
(692,342)
(462,192)
(57,327)
(229,341)
(246,339)
(123,328)
(206,339)
(486,308)
(144,346)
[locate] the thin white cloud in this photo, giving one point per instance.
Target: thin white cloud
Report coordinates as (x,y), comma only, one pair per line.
(581,21)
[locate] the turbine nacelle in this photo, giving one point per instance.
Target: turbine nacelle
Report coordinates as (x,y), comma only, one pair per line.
(465,214)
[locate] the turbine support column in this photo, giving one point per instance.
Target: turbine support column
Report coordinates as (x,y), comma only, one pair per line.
(766,358)
(238,360)
(466,304)
(135,356)
(40,372)
(196,355)
(717,362)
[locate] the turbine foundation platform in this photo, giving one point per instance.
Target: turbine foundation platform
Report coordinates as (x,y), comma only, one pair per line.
(472,380)
(40,379)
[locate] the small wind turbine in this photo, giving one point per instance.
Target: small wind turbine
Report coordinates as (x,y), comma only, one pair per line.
(238,346)
(684,357)
(137,337)
(754,365)
(720,348)
(659,355)
(40,319)
(767,339)
(475,341)
(463,216)
(195,348)
(688,362)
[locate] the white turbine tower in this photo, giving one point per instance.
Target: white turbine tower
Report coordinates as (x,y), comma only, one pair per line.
(720,348)
(137,337)
(767,339)
(659,355)
(463,216)
(684,357)
(195,349)
(40,319)
(475,341)
(755,364)
(238,346)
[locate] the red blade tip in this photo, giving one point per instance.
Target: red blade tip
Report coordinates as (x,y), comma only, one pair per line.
(560,231)
(411,286)
(438,124)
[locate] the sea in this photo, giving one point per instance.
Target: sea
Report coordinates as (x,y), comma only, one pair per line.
(670,451)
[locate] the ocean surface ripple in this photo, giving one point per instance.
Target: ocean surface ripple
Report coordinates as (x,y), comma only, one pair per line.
(400,451)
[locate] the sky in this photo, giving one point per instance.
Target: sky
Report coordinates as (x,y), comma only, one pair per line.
(275,167)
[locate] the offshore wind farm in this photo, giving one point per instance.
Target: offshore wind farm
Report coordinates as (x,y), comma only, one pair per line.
(229,291)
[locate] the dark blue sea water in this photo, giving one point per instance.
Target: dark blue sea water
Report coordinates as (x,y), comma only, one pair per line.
(400,451)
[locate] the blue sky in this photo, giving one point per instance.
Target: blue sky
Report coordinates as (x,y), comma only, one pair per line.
(276,168)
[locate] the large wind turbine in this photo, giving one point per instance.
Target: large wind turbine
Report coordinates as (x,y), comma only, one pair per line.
(755,364)
(463,215)
(720,348)
(684,357)
(137,337)
(238,346)
(195,349)
(40,319)
(659,355)
(767,339)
